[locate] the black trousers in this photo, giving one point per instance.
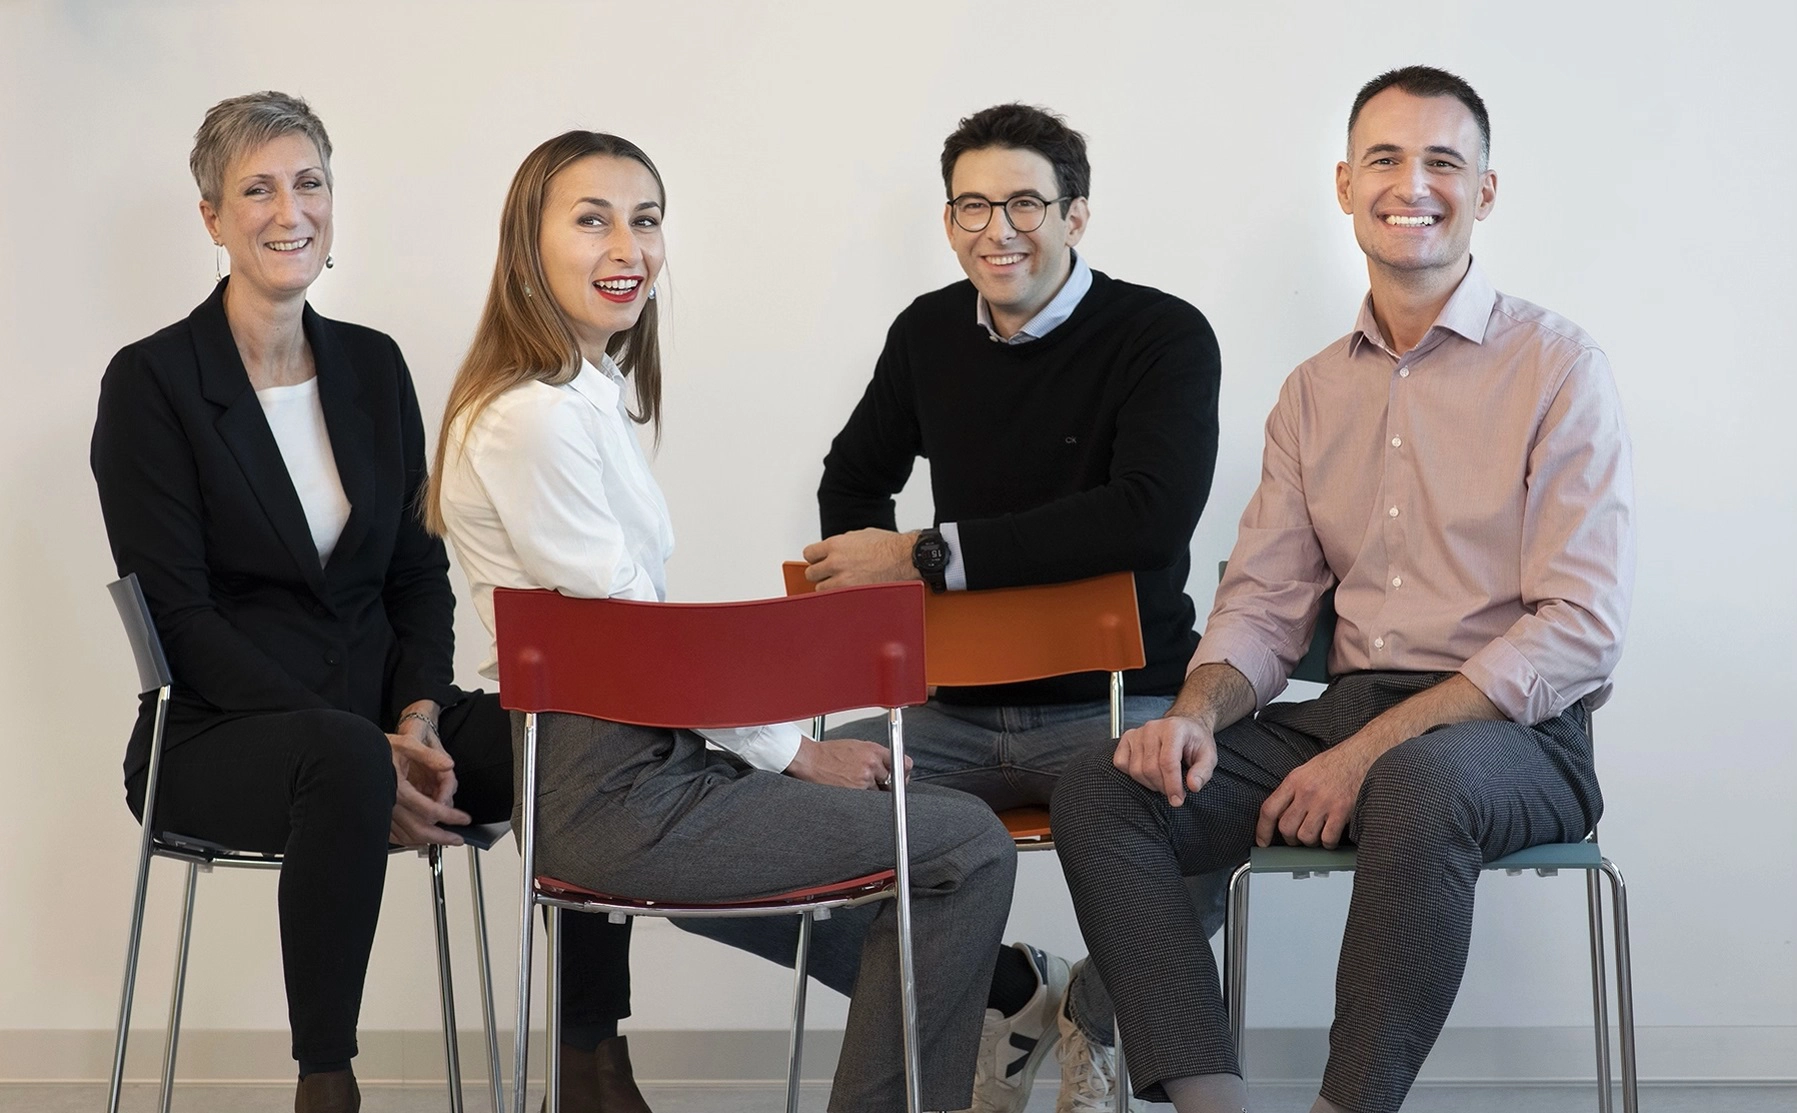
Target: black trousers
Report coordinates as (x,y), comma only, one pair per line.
(1431,812)
(318,786)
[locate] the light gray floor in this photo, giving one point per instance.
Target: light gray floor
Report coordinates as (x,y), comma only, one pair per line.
(90,1098)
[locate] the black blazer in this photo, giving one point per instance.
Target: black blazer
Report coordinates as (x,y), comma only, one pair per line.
(199,504)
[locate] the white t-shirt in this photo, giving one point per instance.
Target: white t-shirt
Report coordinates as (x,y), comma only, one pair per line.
(296,417)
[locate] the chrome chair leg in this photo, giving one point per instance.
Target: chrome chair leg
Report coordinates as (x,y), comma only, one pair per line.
(1235,958)
(133,947)
(895,732)
(552,1008)
(1123,1086)
(1625,984)
(795,1046)
(452,1055)
(528,902)
(1600,1008)
(485,957)
(172,1044)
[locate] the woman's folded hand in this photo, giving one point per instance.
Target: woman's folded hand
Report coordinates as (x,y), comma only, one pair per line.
(844,762)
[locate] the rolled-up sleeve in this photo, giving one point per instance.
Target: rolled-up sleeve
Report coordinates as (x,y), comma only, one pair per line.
(1267,603)
(1578,555)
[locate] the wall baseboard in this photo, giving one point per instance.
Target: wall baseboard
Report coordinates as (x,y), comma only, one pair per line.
(1462,1056)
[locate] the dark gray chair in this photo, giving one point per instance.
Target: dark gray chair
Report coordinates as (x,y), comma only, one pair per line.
(201,856)
(1546,860)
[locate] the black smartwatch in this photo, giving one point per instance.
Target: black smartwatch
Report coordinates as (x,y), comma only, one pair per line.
(930,557)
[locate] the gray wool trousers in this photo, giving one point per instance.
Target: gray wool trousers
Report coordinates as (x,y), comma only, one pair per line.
(654,814)
(1010,757)
(1431,812)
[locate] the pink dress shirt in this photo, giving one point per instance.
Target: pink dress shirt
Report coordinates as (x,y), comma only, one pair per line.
(1472,499)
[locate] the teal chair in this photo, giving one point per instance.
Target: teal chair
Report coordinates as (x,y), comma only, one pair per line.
(1546,860)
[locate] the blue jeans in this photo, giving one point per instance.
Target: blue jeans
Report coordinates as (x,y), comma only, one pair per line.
(1007,756)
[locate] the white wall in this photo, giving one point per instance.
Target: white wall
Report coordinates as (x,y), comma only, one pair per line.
(1645,160)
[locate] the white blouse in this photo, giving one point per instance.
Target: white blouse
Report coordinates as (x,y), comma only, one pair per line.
(549,488)
(296,418)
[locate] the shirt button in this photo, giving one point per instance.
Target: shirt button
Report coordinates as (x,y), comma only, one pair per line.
(1397,581)
(1378,643)
(1393,512)
(1403,372)
(1397,442)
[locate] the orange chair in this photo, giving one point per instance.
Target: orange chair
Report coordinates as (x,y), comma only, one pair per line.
(1010,634)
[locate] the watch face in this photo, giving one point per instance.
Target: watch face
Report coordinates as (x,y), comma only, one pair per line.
(930,554)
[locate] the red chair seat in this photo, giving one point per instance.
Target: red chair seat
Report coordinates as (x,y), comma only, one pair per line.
(834,891)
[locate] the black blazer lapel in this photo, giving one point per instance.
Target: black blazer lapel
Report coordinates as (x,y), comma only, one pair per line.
(244,429)
(351,430)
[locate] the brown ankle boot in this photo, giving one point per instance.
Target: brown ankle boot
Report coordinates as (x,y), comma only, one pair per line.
(600,1081)
(617,1085)
(328,1092)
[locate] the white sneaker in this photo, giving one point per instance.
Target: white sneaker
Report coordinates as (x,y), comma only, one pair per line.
(1088,1072)
(1013,1048)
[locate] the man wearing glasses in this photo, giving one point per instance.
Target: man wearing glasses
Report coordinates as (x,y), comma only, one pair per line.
(1070,421)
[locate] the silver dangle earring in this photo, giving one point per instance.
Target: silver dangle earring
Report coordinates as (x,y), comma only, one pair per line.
(651,293)
(218,263)
(527,289)
(329,262)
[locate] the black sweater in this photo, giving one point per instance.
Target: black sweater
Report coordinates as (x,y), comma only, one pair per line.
(1085,452)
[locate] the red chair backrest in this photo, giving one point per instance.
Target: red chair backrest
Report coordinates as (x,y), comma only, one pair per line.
(1007,634)
(711,664)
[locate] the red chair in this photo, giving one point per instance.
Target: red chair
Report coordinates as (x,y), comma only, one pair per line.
(711,665)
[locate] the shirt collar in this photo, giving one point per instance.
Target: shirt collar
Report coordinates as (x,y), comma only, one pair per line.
(602,385)
(1053,315)
(1467,312)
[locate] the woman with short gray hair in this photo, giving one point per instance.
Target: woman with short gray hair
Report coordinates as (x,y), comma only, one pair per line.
(259,468)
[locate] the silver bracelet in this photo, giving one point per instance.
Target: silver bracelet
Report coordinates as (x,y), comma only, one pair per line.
(421,717)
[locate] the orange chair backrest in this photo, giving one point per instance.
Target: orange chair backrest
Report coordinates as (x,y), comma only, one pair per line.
(1009,634)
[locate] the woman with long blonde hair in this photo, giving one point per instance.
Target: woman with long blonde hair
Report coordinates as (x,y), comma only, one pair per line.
(541,483)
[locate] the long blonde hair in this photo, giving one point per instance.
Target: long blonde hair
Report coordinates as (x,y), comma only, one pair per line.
(522,336)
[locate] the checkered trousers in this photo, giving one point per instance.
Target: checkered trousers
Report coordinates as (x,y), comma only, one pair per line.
(1431,812)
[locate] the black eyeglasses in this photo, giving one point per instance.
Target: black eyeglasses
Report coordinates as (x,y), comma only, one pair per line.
(1025,211)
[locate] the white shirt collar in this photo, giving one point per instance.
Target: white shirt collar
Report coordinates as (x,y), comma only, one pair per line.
(1053,315)
(602,385)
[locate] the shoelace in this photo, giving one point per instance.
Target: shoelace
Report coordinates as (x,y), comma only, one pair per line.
(989,1035)
(1093,1076)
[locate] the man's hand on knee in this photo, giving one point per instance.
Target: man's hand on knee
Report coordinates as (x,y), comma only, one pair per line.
(1315,802)
(862,556)
(1171,756)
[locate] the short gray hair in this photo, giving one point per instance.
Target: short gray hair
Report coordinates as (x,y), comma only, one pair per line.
(241,124)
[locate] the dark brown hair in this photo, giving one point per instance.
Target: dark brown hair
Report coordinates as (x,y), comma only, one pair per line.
(1023,127)
(1426,81)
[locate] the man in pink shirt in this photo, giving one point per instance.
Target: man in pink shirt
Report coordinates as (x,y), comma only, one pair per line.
(1456,467)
